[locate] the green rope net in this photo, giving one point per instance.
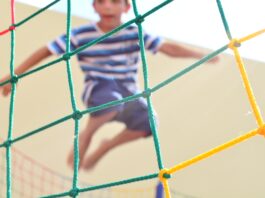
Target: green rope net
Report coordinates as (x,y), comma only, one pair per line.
(75,190)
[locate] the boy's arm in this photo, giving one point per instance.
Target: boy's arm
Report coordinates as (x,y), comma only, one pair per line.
(33,60)
(30,62)
(175,50)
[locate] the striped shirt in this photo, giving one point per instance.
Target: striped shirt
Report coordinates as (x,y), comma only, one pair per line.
(116,57)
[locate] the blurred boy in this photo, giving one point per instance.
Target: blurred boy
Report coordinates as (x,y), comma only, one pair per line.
(110,69)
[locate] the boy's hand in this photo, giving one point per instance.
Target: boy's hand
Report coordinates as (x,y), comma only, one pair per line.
(6,89)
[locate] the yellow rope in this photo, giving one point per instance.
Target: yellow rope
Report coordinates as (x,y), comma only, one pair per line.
(251,36)
(248,88)
(213,151)
(164,181)
(261,130)
(234,44)
(166,189)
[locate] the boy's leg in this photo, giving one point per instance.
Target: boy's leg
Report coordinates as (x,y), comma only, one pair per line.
(125,136)
(93,124)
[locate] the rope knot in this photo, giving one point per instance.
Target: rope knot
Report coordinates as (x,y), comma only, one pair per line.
(74,192)
(234,43)
(164,175)
(139,19)
(7,143)
(66,57)
(12,27)
(147,93)
(77,115)
(14,79)
(261,130)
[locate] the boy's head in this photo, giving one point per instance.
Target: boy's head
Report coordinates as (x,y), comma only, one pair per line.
(109,10)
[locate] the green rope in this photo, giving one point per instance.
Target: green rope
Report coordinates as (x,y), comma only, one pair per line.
(14,140)
(73,100)
(188,69)
(108,185)
(221,11)
(34,70)
(73,116)
(146,87)
(68,44)
(11,119)
(36,13)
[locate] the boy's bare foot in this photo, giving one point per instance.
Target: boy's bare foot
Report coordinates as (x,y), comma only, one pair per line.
(92,160)
(86,136)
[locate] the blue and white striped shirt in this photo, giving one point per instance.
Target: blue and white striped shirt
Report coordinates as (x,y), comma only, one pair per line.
(116,57)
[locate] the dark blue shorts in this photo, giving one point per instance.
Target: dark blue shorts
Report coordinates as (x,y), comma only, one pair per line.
(133,114)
